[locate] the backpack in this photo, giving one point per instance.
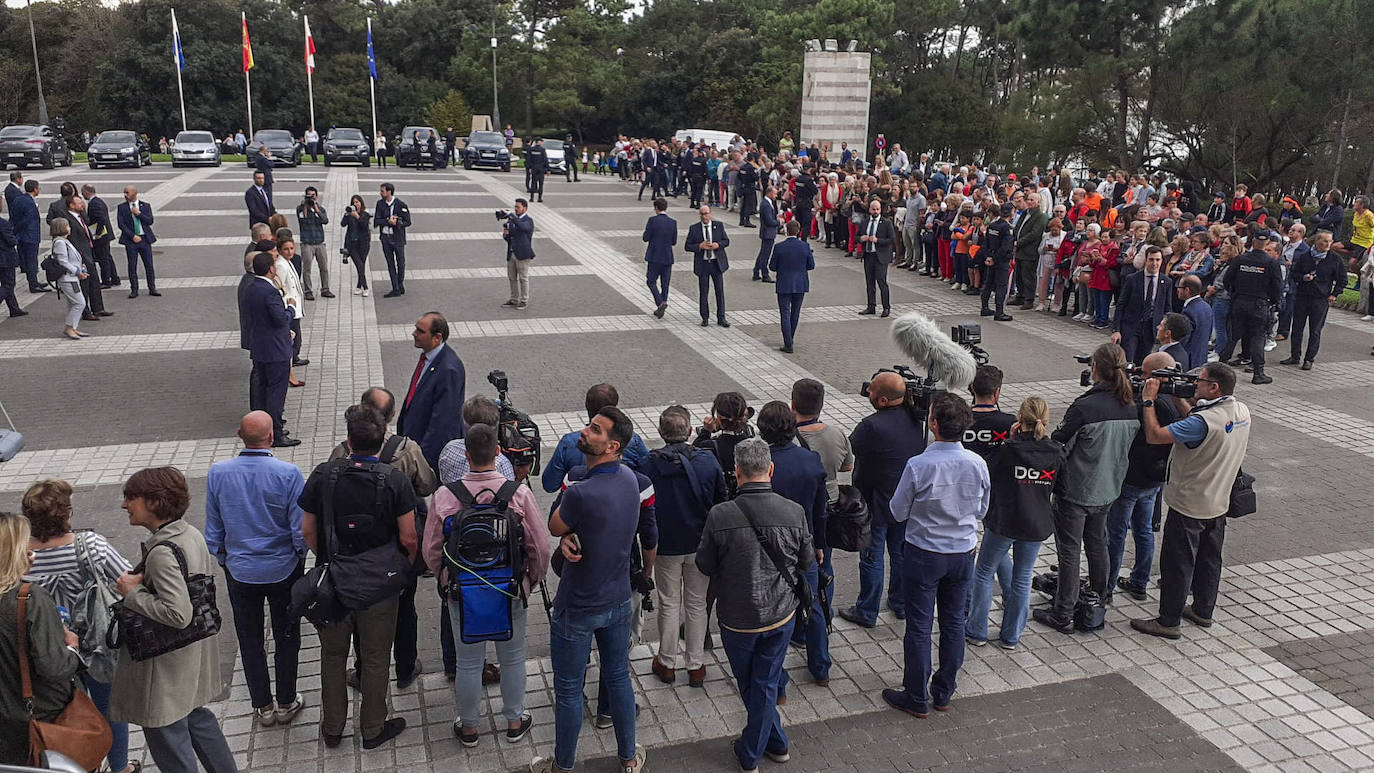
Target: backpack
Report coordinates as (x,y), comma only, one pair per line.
(848,524)
(91,616)
(484,554)
(52,268)
(1089,614)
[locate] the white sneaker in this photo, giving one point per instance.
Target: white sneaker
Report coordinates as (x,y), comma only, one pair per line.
(287,713)
(1270,345)
(1367,318)
(357,291)
(267,715)
(963,286)
(1039,307)
(366,292)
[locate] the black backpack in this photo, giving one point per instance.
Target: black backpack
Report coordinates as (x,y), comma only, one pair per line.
(52,268)
(484,554)
(849,524)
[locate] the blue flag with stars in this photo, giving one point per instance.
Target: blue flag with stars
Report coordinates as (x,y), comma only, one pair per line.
(371,57)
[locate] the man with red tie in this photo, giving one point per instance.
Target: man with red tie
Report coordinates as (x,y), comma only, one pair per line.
(258,197)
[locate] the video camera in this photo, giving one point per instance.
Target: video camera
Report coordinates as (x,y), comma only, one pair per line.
(503,214)
(1172,381)
(516,432)
(920,390)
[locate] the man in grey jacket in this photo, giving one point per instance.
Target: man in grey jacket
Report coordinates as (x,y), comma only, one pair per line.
(756,624)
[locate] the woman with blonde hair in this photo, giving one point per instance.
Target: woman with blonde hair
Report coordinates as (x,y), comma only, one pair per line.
(288,283)
(1019,519)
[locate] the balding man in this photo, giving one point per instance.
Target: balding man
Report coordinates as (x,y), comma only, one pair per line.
(136,234)
(102,233)
(253,528)
(882,443)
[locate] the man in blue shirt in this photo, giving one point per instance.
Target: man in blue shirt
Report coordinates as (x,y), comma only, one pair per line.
(567,455)
(942,496)
(253,528)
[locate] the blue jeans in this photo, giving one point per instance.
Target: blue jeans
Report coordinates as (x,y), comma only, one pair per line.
(100,696)
(1133,511)
(756,661)
(816,634)
(930,579)
(992,557)
(471,658)
(1221,312)
(1102,306)
(570,644)
(890,538)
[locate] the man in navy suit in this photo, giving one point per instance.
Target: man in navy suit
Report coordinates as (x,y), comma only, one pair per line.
(15,189)
(1199,313)
(259,200)
(392,218)
(9,261)
(1320,278)
(263,163)
(660,232)
(652,163)
(269,344)
(28,232)
(136,234)
(1145,298)
(432,409)
(707,241)
(768,233)
(102,233)
(1173,330)
(519,233)
(790,262)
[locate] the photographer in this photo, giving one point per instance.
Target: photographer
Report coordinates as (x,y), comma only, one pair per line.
(1133,511)
(1208,448)
(312,218)
(518,231)
(357,223)
(1097,433)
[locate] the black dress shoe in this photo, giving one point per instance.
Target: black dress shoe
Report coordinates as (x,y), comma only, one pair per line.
(706,323)
(723,322)
(1260,378)
(886,313)
(286,442)
(1002,318)
(986,313)
(390,730)
(392,294)
(1045,616)
(785,349)
(415,672)
(40,289)
(300,362)
(1306,365)
(18,313)
(768,280)
(133,294)
(89,317)
(155,293)
(104,313)
(1289,361)
(332,741)
(868,311)
(309,295)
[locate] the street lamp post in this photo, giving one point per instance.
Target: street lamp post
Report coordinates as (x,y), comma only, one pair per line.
(495,103)
(42,105)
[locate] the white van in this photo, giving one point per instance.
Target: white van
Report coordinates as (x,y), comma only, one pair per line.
(711,137)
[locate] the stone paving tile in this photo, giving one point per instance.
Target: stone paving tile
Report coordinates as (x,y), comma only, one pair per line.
(464,300)
(1338,663)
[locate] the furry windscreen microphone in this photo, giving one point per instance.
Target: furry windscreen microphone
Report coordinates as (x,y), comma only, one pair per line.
(922,340)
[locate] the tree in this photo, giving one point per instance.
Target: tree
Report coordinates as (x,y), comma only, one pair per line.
(451,110)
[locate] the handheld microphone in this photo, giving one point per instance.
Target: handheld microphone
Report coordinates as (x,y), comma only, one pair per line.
(921,339)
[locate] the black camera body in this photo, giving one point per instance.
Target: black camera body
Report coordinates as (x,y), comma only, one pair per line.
(516,433)
(502,214)
(1172,382)
(920,390)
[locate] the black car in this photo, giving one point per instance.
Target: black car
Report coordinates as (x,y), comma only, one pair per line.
(486,149)
(408,155)
(285,150)
(347,145)
(33,145)
(118,148)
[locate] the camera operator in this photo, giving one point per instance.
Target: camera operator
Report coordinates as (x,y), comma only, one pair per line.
(1256,282)
(518,231)
(882,443)
(1133,511)
(991,425)
(312,218)
(1097,432)
(1208,448)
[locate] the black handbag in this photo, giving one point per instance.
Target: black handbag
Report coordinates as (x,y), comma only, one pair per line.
(1243,501)
(359,580)
(147,638)
(849,524)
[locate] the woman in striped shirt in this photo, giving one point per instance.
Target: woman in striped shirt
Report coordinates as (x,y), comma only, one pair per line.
(60,570)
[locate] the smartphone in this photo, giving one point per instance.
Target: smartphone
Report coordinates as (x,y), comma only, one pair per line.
(577,543)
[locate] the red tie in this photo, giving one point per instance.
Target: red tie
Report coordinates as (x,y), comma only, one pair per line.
(415,379)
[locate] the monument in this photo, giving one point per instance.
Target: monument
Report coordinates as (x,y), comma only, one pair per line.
(835,96)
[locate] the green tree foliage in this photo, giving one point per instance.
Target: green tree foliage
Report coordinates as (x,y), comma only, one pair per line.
(450,110)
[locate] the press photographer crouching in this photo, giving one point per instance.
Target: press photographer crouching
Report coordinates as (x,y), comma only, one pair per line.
(1208,448)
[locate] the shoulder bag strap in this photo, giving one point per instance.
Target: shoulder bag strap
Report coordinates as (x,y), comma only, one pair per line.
(778,562)
(25,678)
(505,494)
(389,449)
(84,557)
(327,517)
(692,479)
(176,551)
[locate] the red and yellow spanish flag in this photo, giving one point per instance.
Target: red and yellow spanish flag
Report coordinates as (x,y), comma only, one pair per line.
(247,46)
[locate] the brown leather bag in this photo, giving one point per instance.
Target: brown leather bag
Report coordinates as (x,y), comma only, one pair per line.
(79,732)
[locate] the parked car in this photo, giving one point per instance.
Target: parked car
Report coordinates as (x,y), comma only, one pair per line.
(118,148)
(195,148)
(408,155)
(558,164)
(486,149)
(347,145)
(36,145)
(285,150)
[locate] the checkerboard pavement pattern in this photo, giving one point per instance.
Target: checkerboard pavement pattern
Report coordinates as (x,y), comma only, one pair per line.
(1281,682)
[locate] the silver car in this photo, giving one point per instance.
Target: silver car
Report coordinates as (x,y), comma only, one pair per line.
(195,148)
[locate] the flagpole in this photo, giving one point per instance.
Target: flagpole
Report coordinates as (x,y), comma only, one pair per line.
(247,83)
(309,73)
(181,96)
(372,87)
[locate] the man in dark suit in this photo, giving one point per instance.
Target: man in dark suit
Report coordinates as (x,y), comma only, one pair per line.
(790,262)
(262,242)
(768,233)
(707,240)
(263,164)
(451,145)
(28,231)
(537,164)
(15,189)
(259,200)
(80,238)
(876,235)
(1198,312)
(651,162)
(1146,297)
(995,257)
(269,344)
(9,262)
(102,233)
(805,197)
(1320,278)
(432,409)
(136,234)
(1173,330)
(1026,236)
(660,232)
(392,218)
(519,233)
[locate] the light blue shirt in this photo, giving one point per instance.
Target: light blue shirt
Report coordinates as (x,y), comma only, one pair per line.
(942,495)
(453,463)
(252,519)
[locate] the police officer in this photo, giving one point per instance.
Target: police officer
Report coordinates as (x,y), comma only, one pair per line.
(997,247)
(696,174)
(570,159)
(536,166)
(671,164)
(1256,281)
(747,179)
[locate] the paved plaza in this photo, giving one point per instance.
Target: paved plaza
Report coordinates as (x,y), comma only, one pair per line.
(1283,681)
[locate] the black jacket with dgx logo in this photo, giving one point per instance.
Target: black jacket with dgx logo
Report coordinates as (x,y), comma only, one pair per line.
(1023,473)
(990,430)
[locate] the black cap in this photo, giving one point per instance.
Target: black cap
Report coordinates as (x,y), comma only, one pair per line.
(1007,209)
(265,245)
(1263,233)
(1218,195)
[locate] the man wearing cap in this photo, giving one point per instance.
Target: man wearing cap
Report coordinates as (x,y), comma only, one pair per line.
(996,254)
(570,159)
(1255,279)
(537,165)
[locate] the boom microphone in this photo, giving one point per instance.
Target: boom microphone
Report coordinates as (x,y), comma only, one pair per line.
(921,339)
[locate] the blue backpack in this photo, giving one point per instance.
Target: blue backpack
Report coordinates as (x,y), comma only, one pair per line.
(484,553)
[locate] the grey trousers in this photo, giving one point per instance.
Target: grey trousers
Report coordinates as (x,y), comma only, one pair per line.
(1075,527)
(376,630)
(315,253)
(196,736)
(518,272)
(76,302)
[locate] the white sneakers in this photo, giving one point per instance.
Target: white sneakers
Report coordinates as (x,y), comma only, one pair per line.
(1367,318)
(273,714)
